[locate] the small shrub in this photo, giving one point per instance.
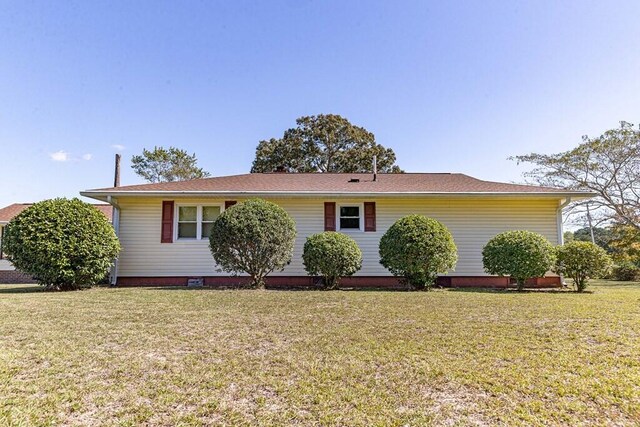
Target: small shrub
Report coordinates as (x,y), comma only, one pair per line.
(519,254)
(331,255)
(254,237)
(64,244)
(418,248)
(626,272)
(582,261)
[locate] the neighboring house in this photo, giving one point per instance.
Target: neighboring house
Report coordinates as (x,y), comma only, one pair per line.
(163,227)
(8,273)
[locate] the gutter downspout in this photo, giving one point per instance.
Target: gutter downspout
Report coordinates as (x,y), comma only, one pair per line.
(559,219)
(560,229)
(116,227)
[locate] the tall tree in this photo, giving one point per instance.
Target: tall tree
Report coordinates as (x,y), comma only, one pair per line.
(568,236)
(608,165)
(324,143)
(602,236)
(166,165)
(625,244)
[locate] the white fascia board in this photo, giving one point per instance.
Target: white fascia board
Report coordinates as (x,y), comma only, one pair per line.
(102,195)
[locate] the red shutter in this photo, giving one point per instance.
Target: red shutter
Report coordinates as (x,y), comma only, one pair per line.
(166,235)
(369,216)
(329,216)
(229,203)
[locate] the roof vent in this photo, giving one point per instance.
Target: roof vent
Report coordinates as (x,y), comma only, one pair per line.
(354,180)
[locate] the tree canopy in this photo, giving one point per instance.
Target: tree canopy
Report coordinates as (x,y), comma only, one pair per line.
(625,244)
(608,165)
(166,165)
(620,241)
(602,236)
(324,143)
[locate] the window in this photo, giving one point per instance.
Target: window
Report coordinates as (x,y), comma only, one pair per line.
(187,222)
(349,217)
(196,222)
(209,214)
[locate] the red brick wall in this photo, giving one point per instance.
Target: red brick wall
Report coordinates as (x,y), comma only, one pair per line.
(496,282)
(378,282)
(13,276)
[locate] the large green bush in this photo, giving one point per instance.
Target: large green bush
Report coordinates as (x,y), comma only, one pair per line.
(582,261)
(626,271)
(417,249)
(331,255)
(64,244)
(254,237)
(519,254)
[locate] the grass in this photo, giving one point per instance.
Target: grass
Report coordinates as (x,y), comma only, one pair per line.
(205,357)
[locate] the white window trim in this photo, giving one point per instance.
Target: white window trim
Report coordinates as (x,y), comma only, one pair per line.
(350,230)
(198,206)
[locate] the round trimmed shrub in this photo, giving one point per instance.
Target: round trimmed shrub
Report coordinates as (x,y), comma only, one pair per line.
(582,261)
(64,244)
(254,237)
(417,249)
(331,255)
(520,254)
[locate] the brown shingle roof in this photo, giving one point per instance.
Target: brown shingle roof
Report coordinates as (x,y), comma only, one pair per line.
(107,210)
(8,212)
(332,183)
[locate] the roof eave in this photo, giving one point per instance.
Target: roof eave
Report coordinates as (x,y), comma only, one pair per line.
(102,195)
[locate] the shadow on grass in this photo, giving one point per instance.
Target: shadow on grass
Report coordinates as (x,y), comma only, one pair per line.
(616,284)
(224,288)
(517,292)
(188,288)
(20,289)
(357,289)
(270,288)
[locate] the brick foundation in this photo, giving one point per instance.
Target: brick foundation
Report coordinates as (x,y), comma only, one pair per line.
(14,276)
(362,282)
(496,282)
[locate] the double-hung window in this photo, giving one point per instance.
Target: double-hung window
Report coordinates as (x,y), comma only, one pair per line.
(350,217)
(209,215)
(196,221)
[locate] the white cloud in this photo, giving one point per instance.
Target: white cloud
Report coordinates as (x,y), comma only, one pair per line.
(63,156)
(60,156)
(118,147)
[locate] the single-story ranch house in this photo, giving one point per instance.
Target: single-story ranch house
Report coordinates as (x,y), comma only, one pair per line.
(8,273)
(164,227)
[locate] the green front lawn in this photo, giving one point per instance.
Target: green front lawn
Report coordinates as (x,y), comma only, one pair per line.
(207,357)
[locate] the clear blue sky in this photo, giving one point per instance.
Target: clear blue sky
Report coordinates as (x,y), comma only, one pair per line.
(450,86)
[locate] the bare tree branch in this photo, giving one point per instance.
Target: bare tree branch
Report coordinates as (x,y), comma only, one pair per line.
(608,165)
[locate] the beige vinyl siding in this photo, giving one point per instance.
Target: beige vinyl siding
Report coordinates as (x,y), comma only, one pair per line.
(472,222)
